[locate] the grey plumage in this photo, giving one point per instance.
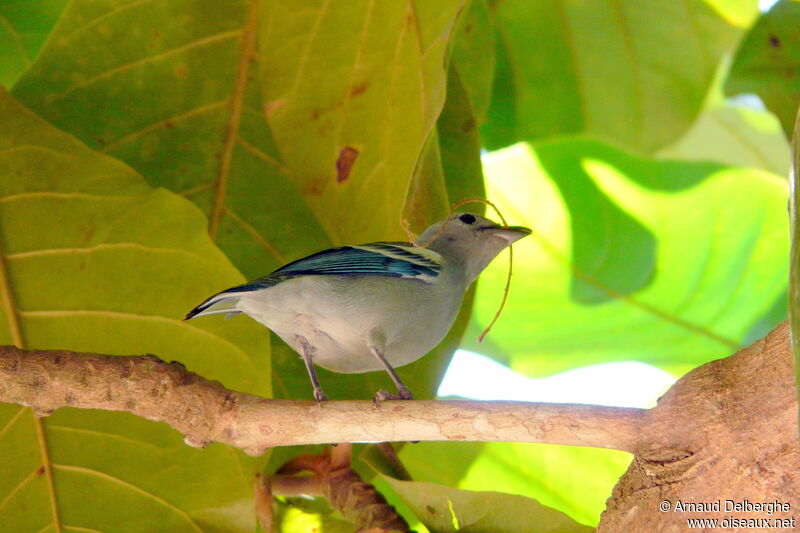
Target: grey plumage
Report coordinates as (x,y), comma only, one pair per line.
(373,306)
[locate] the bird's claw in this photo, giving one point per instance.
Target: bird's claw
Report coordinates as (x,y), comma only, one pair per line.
(402,394)
(320,397)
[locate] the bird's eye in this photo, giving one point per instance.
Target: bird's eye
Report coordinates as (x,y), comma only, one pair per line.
(467,218)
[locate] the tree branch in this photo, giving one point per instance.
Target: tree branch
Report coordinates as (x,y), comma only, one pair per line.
(205,411)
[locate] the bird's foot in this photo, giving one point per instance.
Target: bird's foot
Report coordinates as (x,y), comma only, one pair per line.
(320,396)
(402,394)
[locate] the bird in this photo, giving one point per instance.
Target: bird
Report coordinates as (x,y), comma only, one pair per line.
(374,306)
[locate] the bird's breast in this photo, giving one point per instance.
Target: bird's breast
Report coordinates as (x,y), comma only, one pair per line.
(337,315)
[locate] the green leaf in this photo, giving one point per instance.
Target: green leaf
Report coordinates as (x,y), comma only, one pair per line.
(377,88)
(575,481)
(255,144)
(736,136)
(766,63)
(473,56)
(314,515)
(709,258)
(96,260)
(174,100)
(24,26)
(184,102)
(449,170)
(634,72)
(443,509)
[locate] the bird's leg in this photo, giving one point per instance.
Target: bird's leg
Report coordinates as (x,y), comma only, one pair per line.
(307,352)
(402,391)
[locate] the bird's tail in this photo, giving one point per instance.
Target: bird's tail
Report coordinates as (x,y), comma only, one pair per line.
(223,302)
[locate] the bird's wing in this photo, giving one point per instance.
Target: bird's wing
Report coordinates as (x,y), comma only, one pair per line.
(401,260)
(392,259)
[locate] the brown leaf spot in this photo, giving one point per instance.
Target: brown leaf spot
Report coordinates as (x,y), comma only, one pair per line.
(313,188)
(40,470)
(156,34)
(347,157)
(315,114)
(168,124)
(774,41)
(468,29)
(182,71)
(359,89)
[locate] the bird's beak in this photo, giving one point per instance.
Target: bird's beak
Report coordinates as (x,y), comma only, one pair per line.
(511,233)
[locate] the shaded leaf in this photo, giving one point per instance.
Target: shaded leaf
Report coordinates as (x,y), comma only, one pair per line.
(634,72)
(443,509)
(766,63)
(718,258)
(473,56)
(96,260)
(24,26)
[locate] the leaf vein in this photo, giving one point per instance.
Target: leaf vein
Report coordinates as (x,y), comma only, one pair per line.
(113,479)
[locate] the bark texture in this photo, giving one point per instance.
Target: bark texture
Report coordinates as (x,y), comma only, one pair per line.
(205,411)
(726,431)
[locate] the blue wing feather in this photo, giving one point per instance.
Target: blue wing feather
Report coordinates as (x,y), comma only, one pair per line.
(377,259)
(390,259)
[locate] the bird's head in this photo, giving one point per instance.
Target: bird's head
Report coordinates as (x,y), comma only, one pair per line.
(470,240)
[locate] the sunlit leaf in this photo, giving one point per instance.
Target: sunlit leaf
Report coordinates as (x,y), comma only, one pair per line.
(734,135)
(375,88)
(96,260)
(634,71)
(766,62)
(444,509)
(710,262)
(575,481)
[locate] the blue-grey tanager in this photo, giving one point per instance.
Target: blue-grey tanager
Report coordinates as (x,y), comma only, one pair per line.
(371,306)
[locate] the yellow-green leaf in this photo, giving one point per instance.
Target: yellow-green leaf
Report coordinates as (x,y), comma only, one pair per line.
(97,260)
(665,262)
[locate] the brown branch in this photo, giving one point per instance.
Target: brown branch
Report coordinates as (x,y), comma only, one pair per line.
(205,411)
(737,441)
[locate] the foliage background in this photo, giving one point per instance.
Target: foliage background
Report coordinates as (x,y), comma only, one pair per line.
(153,152)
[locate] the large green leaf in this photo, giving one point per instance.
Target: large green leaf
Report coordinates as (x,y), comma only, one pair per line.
(444,509)
(256,144)
(575,481)
(375,90)
(174,101)
(766,63)
(24,26)
(96,260)
(313,143)
(734,135)
(668,263)
(630,71)
(473,56)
